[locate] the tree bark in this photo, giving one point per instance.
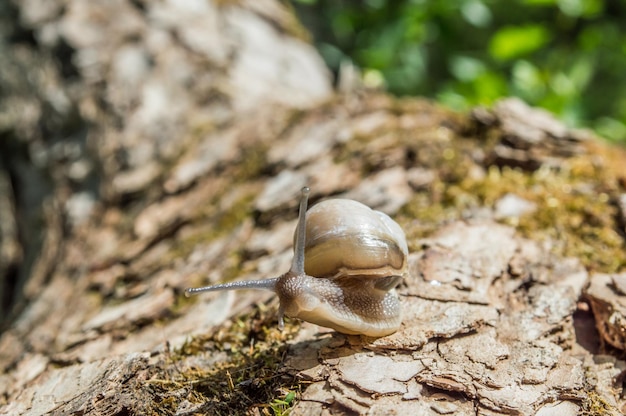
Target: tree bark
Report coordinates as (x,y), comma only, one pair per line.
(151,146)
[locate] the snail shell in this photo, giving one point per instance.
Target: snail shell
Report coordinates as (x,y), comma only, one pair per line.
(348,259)
(346,238)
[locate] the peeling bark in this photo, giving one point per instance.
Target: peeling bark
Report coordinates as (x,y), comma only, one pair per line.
(189,174)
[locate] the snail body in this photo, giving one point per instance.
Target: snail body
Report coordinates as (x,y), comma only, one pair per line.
(347,261)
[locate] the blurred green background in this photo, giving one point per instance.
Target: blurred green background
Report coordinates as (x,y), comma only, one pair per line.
(568,56)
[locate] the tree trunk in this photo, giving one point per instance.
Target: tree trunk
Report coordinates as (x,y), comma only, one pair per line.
(152,146)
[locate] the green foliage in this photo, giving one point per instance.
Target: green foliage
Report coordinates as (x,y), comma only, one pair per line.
(281,407)
(568,56)
(513,42)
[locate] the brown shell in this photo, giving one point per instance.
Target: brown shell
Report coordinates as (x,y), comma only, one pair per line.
(345,238)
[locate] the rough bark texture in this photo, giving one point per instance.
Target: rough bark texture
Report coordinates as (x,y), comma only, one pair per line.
(151,146)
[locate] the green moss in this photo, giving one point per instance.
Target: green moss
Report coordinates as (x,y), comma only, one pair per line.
(574,204)
(595,405)
(572,210)
(253,162)
(247,380)
(212,224)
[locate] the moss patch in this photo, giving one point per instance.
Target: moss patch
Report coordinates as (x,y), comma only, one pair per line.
(234,371)
(576,208)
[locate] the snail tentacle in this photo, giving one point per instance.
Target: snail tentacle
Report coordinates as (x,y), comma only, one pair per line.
(297,264)
(269,284)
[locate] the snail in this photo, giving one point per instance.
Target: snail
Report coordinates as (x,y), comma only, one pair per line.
(348,260)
